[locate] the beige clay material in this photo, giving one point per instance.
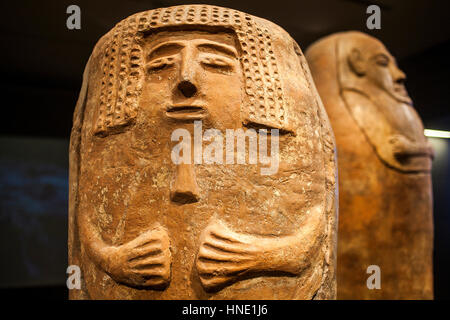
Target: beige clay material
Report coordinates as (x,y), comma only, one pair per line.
(144,227)
(384,160)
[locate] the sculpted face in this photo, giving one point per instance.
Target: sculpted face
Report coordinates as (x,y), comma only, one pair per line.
(375,95)
(380,68)
(207,229)
(384,167)
(194,75)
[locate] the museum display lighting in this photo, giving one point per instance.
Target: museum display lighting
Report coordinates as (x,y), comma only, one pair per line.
(437,133)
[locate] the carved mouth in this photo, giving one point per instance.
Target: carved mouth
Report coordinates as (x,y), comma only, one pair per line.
(186,112)
(401,90)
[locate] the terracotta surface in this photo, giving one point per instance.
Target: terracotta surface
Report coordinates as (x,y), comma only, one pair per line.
(143,227)
(384,161)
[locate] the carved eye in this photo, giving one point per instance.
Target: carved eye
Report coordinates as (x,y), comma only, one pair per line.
(160,64)
(382,60)
(217,63)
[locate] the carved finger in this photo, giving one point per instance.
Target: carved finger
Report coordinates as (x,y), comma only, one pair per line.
(149,279)
(150,235)
(146,242)
(153,273)
(210,283)
(206,252)
(141,264)
(142,253)
(223,246)
(143,238)
(227,236)
(156,282)
(221,268)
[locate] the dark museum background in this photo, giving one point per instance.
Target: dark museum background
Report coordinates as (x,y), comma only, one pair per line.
(42,64)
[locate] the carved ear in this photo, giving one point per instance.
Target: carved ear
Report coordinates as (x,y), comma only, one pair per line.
(356,62)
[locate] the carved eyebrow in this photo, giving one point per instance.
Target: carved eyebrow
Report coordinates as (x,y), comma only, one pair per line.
(382,54)
(223,48)
(165,48)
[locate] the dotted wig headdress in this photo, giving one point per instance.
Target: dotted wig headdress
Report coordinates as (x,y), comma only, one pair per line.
(123,72)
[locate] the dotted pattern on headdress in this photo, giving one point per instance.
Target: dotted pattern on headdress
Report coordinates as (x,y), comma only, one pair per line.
(123,70)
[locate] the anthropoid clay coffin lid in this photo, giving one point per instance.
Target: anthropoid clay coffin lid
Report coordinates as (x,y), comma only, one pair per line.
(385,196)
(154,216)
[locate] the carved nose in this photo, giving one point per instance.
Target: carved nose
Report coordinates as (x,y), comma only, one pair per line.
(187,88)
(399,76)
(185,189)
(400,80)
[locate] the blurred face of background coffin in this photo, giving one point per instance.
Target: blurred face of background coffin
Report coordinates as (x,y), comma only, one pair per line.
(381,69)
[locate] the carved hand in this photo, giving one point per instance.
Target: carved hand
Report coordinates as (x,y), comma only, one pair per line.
(401,146)
(143,262)
(225,255)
